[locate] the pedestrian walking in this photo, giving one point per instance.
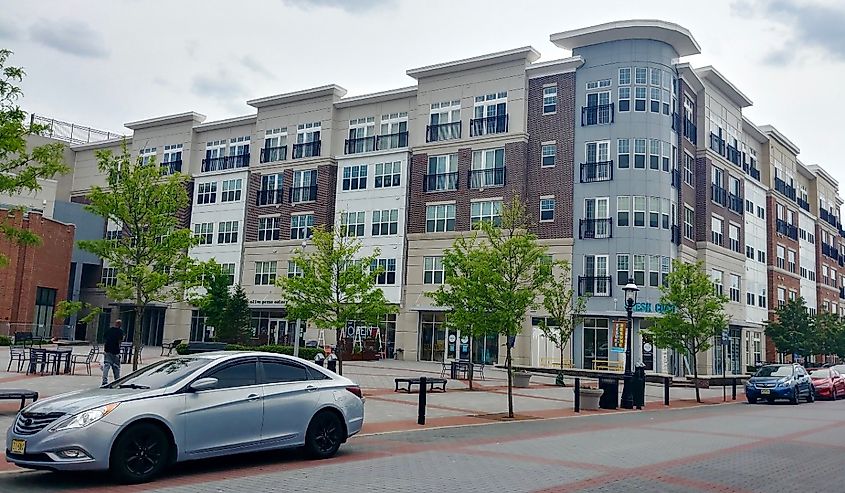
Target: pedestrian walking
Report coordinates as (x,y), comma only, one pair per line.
(111,351)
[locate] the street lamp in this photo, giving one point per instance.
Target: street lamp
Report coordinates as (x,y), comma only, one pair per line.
(631,291)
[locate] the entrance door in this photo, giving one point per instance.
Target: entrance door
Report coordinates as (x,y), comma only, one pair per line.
(276,330)
(595,341)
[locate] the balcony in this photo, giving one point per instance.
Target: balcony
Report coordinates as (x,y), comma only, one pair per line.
(359,145)
(306,149)
(593,172)
(441,182)
(597,115)
(782,187)
(690,131)
(302,194)
(171,167)
(736,203)
(830,251)
(488,125)
(269,197)
(442,131)
(754,172)
(595,229)
(225,162)
(734,155)
(392,141)
(271,154)
(827,216)
(717,144)
(786,229)
(490,177)
(719,195)
(594,285)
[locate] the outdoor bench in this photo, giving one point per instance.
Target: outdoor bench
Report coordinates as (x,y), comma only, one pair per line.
(15,394)
(430,383)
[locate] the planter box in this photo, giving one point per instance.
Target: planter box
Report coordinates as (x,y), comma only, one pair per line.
(590,399)
(520,380)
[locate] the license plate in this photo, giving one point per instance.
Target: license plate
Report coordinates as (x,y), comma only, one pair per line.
(765,391)
(18,446)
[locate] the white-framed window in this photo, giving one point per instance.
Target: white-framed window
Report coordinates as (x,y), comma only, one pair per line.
(394,131)
(664,213)
(361,135)
(547,208)
(490,105)
(639,153)
(654,212)
(549,99)
(275,145)
(689,223)
(488,168)
(294,270)
(595,267)
(548,153)
(172,159)
(239,150)
(762,299)
(625,76)
(352,223)
(598,101)
(355,177)
(716,277)
(623,152)
(268,228)
(639,98)
(716,230)
(265,273)
(385,222)
(624,99)
(215,154)
(689,169)
(623,210)
(207,193)
(654,99)
(597,152)
(308,132)
(439,218)
(735,288)
(623,269)
(749,298)
(654,154)
(304,186)
(749,252)
(229,269)
(301,226)
(442,173)
(639,210)
(205,233)
(598,84)
(656,77)
(108,276)
(761,212)
(781,256)
(147,155)
(388,175)
(640,75)
(227,232)
(433,272)
(733,237)
(388,271)
(654,270)
(790,262)
(781,297)
(231,190)
(749,206)
(486,210)
(442,115)
(639,269)
(665,268)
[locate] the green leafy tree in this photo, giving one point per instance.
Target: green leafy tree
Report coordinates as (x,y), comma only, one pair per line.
(336,284)
(214,301)
(698,314)
(150,255)
(825,337)
(564,306)
(21,169)
(791,330)
(238,317)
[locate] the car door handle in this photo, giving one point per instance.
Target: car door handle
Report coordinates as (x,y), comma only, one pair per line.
(253,397)
(310,388)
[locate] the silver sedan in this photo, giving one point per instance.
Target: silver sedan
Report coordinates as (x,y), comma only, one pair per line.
(185,408)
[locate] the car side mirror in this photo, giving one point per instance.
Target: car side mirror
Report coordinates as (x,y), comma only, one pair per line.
(203,384)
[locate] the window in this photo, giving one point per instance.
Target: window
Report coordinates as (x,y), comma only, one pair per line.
(781,257)
(664,213)
(355,177)
(268,228)
(231,190)
(307,133)
(762,300)
(275,145)
(654,270)
(227,232)
(239,147)
(749,298)
(433,270)
(265,273)
(229,269)
(716,230)
(207,193)
(639,211)
(689,223)
(639,270)
(439,118)
(623,269)
(301,226)
(735,290)
(394,131)
(624,99)
(172,160)
(237,375)
(790,255)
(623,153)
(147,155)
(442,173)
(689,166)
(665,267)
(304,186)
(625,76)
(595,269)
(639,98)
(656,77)
(781,297)
(548,153)
(749,206)
(639,153)
(761,212)
(549,99)
(388,175)
(654,212)
(205,233)
(641,75)
(733,237)
(108,276)
(361,131)
(388,270)
(487,210)
(352,223)
(623,210)
(547,209)
(488,168)
(294,270)
(749,252)
(598,84)
(277,372)
(665,155)
(439,218)
(385,222)
(716,278)
(654,99)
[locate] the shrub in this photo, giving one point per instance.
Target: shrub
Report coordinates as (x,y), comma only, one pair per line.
(5,341)
(304,352)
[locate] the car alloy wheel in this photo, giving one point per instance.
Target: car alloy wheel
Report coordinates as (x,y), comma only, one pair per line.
(796,396)
(811,395)
(324,436)
(140,453)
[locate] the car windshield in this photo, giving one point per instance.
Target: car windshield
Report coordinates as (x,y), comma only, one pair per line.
(774,371)
(821,373)
(839,368)
(161,374)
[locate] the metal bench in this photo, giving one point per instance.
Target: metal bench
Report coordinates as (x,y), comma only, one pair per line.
(15,394)
(431,383)
(206,347)
(170,346)
(607,365)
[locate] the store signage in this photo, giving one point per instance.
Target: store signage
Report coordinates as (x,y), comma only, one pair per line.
(656,308)
(265,302)
(620,336)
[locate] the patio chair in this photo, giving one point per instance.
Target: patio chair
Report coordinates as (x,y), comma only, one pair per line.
(19,354)
(170,346)
(39,357)
(82,359)
(97,352)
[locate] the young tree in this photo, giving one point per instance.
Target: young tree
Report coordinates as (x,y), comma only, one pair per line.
(792,328)
(21,169)
(151,254)
(698,314)
(826,335)
(239,317)
(335,286)
(564,306)
(216,297)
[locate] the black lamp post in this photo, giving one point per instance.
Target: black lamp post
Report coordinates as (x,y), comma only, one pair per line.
(631,291)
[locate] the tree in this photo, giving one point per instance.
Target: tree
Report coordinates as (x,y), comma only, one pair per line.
(336,285)
(698,314)
(564,307)
(238,317)
(20,169)
(150,255)
(826,335)
(215,298)
(791,329)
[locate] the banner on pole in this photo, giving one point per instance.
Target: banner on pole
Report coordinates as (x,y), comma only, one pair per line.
(620,336)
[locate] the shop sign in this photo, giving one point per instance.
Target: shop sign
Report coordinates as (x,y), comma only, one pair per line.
(656,308)
(620,336)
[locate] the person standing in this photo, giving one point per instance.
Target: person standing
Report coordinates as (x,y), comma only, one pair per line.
(111,351)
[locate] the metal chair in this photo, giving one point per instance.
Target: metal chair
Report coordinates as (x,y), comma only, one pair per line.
(19,354)
(82,359)
(36,357)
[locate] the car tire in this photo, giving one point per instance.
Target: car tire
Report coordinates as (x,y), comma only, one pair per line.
(811,395)
(834,396)
(324,435)
(796,397)
(751,400)
(139,454)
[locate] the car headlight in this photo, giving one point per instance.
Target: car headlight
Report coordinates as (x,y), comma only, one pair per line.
(784,382)
(85,418)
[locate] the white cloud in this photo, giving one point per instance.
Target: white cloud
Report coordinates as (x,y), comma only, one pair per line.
(69,36)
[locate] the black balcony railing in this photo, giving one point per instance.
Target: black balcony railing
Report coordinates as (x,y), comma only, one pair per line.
(594,285)
(736,203)
(225,162)
(442,131)
(392,141)
(360,144)
(754,172)
(306,149)
(302,194)
(785,189)
(600,171)
(590,229)
(491,177)
(803,204)
(270,197)
(171,167)
(719,195)
(734,155)
(823,214)
(828,217)
(271,154)
(717,144)
(439,182)
(786,229)
(830,251)
(488,125)
(690,131)
(597,115)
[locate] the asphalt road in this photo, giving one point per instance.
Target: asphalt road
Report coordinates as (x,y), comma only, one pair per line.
(728,448)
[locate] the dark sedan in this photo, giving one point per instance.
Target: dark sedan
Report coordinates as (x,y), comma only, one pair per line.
(787,381)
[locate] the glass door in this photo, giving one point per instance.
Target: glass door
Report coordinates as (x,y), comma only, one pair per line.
(595,342)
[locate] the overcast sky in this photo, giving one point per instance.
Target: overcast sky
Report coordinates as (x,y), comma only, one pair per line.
(106,63)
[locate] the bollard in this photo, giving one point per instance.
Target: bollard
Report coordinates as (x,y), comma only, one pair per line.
(421,414)
(666,391)
(733,390)
(577,395)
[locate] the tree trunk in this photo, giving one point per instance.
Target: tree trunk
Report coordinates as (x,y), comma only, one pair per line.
(469,370)
(338,351)
(510,379)
(695,374)
(136,334)
(562,351)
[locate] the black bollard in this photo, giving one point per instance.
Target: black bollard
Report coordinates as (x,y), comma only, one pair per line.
(733,390)
(577,391)
(666,391)
(421,413)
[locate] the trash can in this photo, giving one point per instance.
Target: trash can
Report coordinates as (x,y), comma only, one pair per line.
(610,396)
(639,387)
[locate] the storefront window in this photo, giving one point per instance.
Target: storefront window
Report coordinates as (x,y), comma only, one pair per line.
(388,328)
(595,341)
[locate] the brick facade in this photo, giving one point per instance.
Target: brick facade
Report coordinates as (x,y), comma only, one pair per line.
(686,191)
(706,206)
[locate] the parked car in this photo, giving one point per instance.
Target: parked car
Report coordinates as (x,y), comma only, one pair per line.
(786,381)
(840,369)
(186,408)
(828,383)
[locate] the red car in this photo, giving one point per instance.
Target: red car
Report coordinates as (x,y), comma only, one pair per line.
(829,383)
